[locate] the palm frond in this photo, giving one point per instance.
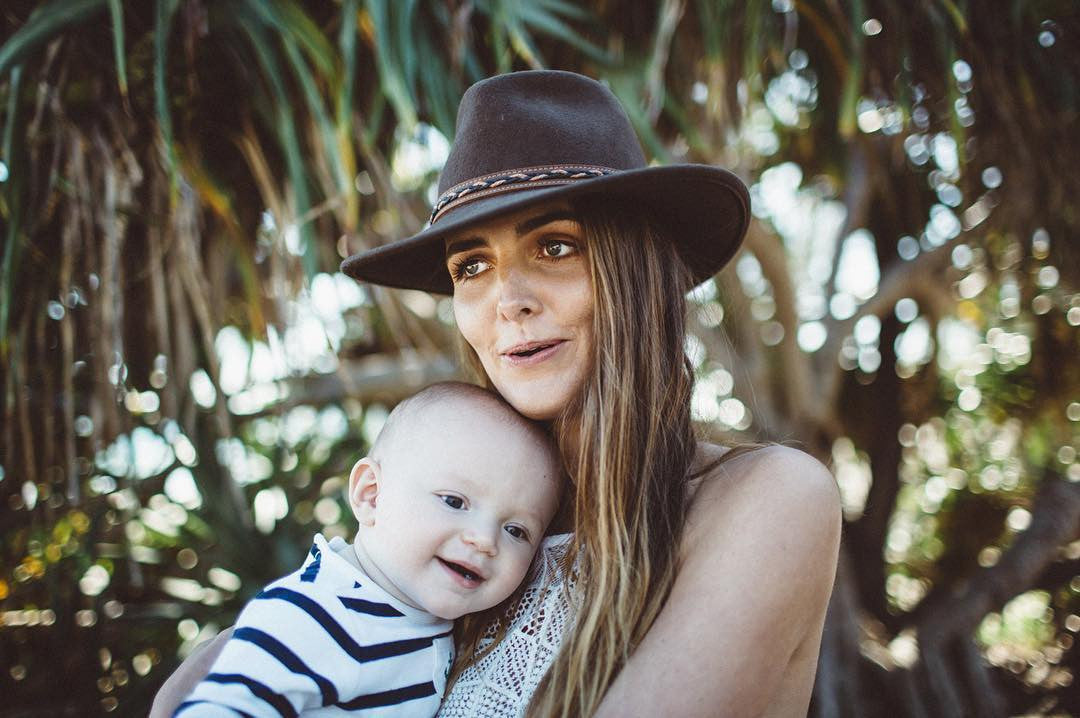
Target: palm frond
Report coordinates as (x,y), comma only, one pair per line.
(116,14)
(388,52)
(44,24)
(163,17)
(13,199)
(253,28)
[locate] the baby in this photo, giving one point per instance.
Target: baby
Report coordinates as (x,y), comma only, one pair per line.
(452,504)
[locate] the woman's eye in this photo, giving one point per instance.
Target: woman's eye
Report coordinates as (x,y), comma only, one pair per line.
(555,248)
(517,532)
(467,268)
(454,502)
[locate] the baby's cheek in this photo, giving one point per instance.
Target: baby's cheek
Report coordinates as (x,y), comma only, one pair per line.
(522,563)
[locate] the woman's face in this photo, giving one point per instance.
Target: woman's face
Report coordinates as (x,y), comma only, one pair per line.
(523,301)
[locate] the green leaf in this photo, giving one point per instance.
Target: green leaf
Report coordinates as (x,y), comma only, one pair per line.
(117,14)
(393,83)
(347,46)
(440,90)
(14,202)
(315,104)
(344,112)
(374,119)
(566,9)
(677,112)
(712,29)
(957,15)
(626,87)
(522,43)
(252,26)
(404,15)
(290,20)
(164,11)
(853,82)
(43,24)
(534,16)
(12,116)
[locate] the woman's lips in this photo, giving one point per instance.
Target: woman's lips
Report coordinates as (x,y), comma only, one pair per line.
(532,353)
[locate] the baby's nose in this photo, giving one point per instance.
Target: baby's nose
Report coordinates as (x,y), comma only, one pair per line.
(483,540)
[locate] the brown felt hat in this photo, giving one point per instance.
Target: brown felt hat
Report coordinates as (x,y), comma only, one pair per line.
(524,138)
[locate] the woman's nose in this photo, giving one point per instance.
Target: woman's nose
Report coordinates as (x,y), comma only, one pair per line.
(517,298)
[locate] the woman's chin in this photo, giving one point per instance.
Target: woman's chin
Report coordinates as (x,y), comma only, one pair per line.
(535,403)
(540,393)
(537,411)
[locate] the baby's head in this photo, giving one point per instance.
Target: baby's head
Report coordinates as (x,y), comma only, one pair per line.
(454,499)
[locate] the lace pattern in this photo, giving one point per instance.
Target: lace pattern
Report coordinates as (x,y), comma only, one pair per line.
(502,683)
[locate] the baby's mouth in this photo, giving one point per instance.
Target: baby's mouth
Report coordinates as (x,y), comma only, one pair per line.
(459,569)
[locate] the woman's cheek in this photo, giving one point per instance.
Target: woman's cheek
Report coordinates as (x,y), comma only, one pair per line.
(583,318)
(476,333)
(465,314)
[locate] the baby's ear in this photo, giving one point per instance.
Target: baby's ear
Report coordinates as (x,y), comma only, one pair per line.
(364,489)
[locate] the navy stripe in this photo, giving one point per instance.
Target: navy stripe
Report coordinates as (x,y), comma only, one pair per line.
(359,653)
(288,659)
(399,648)
(189,704)
(370,607)
(390,698)
(312,570)
(278,702)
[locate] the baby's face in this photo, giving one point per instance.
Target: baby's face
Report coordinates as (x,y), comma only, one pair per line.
(463,501)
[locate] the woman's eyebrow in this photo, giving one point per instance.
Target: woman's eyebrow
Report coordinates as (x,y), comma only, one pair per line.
(540,220)
(464,245)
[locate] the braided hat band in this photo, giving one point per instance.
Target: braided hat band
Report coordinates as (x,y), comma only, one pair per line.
(522,178)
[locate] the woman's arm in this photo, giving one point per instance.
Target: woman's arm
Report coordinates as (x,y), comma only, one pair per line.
(740,633)
(183,681)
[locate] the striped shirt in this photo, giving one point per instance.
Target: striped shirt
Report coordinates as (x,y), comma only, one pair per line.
(327,641)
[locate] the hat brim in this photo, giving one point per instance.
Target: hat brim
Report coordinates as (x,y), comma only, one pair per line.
(705,208)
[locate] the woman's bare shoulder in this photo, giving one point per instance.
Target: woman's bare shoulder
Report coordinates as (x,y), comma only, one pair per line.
(768,485)
(770,468)
(747,607)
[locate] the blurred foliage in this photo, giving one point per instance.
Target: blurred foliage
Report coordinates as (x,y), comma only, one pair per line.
(186,382)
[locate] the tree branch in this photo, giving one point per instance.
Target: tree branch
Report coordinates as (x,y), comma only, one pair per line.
(377,378)
(917,279)
(1055,522)
(857,194)
(947,620)
(670,13)
(798,401)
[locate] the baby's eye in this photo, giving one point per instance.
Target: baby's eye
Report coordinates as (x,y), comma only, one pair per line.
(558,248)
(454,502)
(518,532)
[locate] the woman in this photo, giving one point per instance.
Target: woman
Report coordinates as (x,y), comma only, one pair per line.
(696,579)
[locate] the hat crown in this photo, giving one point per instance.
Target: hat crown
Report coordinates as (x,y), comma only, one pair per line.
(537,118)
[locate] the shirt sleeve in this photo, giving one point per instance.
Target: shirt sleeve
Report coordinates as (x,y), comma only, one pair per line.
(260,671)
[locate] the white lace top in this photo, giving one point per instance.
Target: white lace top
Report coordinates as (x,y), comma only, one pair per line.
(501,684)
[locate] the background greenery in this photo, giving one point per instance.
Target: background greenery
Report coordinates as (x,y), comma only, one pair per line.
(186,379)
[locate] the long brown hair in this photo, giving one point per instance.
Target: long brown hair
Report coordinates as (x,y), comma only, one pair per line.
(628,443)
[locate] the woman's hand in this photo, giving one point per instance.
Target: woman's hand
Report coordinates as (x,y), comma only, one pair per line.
(194,668)
(740,632)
